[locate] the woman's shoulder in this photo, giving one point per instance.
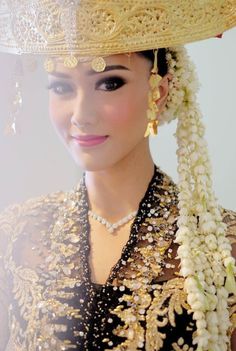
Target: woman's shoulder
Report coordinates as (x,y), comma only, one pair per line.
(29,216)
(31,208)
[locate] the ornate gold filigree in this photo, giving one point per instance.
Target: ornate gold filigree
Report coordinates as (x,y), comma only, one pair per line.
(98,28)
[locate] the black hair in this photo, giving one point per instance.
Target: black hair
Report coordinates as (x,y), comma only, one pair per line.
(161,59)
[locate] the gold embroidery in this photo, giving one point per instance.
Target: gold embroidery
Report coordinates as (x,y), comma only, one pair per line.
(160,313)
(49,227)
(132,316)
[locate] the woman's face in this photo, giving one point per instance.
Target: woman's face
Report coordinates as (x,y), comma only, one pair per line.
(112,104)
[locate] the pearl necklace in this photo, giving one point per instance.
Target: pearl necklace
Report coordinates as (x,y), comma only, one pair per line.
(111,227)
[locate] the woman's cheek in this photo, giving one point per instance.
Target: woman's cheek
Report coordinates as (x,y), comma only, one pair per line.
(120,113)
(56,108)
(58,117)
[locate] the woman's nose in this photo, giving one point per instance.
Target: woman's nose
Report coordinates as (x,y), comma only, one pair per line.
(83,111)
(80,122)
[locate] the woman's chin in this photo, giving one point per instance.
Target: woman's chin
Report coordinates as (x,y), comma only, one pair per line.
(91,164)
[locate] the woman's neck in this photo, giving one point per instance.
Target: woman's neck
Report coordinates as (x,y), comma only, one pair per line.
(117,191)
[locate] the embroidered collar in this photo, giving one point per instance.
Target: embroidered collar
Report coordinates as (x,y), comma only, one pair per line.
(160,196)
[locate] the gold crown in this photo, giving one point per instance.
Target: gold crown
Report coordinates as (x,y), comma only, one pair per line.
(105,27)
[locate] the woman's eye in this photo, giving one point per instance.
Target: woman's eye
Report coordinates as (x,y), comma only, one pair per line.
(60,88)
(111,83)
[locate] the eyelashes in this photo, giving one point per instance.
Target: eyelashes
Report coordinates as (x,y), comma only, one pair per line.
(60,88)
(112,83)
(106,84)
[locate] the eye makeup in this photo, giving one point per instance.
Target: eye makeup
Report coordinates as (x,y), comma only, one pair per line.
(61,87)
(112,83)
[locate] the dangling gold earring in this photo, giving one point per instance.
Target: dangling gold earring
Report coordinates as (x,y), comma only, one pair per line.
(153,95)
(12,127)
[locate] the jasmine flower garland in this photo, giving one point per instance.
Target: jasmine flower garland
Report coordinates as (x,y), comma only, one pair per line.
(204,249)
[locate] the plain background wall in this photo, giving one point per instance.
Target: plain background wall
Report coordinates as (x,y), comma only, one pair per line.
(35,162)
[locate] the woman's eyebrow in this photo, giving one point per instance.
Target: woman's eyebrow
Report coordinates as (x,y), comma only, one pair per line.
(109,68)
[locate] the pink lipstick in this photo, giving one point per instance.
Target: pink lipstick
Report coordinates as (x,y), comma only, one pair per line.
(89,140)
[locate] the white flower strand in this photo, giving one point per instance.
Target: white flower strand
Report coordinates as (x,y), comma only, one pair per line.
(204,250)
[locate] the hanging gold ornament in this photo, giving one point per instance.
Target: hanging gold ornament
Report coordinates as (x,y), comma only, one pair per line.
(152,128)
(12,127)
(156,95)
(98,64)
(154,80)
(70,61)
(153,96)
(49,65)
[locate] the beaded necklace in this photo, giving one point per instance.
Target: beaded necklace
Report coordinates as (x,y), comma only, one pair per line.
(111,227)
(135,227)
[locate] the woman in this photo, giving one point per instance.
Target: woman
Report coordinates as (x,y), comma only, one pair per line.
(127,260)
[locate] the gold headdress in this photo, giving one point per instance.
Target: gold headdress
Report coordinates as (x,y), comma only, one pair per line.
(105,27)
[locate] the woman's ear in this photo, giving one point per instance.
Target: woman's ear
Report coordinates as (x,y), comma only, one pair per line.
(164,91)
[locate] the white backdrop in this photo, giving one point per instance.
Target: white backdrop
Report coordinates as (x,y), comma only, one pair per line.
(35,162)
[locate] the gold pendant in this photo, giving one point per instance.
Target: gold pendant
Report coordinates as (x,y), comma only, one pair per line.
(98,64)
(70,61)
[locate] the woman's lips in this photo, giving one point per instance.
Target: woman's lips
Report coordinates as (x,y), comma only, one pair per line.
(90,140)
